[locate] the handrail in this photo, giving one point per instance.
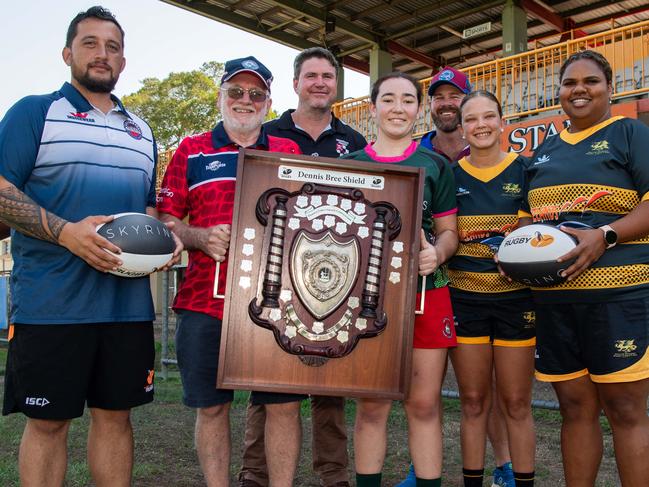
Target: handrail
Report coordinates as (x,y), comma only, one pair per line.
(528,83)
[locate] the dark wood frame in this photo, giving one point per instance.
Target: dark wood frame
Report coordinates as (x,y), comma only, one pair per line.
(251,359)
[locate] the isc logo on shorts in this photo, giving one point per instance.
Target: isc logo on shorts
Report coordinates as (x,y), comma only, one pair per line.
(36,401)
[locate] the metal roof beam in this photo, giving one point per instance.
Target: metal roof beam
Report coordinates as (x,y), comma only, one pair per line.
(467,43)
(321,15)
(412,54)
(421,11)
(356,64)
(226,16)
(269,13)
(377,8)
(559,22)
(444,20)
(239,21)
(239,5)
(337,4)
(549,17)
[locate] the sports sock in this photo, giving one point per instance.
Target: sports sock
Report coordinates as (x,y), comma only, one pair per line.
(524,479)
(473,478)
(368,479)
(428,482)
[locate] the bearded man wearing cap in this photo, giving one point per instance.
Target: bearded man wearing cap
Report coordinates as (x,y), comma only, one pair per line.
(200,183)
(447,90)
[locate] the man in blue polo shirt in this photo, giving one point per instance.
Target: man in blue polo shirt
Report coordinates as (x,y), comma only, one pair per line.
(79,334)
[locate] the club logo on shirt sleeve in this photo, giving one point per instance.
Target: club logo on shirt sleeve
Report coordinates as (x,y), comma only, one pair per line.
(132,129)
(164,193)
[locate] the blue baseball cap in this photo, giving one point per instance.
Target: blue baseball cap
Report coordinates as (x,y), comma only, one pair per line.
(248,64)
(450,76)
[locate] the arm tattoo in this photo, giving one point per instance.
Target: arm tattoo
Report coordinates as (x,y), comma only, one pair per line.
(22,213)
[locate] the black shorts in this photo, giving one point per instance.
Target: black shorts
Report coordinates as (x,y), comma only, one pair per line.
(198,342)
(607,341)
(54,370)
(505,323)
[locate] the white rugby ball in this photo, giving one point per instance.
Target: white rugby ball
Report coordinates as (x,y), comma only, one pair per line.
(146,243)
(529,254)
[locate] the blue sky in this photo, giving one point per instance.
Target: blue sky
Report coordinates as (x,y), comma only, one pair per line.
(160,39)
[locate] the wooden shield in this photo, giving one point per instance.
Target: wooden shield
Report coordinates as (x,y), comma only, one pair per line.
(317,244)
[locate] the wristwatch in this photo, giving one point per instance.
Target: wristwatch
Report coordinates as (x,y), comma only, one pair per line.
(610,236)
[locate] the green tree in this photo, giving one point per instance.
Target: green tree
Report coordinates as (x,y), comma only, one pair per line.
(180,104)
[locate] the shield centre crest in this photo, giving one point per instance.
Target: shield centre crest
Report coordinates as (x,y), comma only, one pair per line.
(323,271)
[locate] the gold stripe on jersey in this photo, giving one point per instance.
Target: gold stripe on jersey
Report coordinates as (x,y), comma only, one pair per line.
(482,282)
(605,278)
(471,227)
(474,250)
(574,139)
(549,202)
(486,174)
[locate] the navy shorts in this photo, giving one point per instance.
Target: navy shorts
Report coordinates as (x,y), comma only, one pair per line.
(607,341)
(54,370)
(505,323)
(198,342)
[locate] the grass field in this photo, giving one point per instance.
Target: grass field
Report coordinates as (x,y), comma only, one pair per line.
(165,456)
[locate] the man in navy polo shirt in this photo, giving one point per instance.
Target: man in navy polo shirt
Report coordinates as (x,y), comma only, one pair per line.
(80,335)
(200,183)
(312,125)
(318,133)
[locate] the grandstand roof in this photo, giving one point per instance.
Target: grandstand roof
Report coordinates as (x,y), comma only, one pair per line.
(421,35)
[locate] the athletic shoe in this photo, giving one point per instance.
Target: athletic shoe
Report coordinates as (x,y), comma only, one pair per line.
(410,480)
(504,476)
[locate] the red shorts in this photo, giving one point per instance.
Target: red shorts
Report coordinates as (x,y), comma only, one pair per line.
(435,328)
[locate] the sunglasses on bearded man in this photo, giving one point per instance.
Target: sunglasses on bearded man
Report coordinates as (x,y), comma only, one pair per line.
(236,93)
